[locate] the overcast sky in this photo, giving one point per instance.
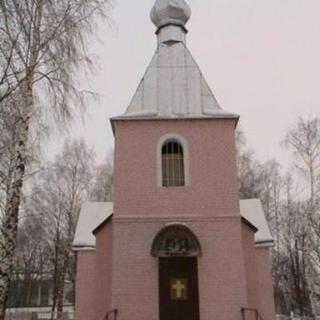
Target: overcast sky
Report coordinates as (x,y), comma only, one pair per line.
(260,57)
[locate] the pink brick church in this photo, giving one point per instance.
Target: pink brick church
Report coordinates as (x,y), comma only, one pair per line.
(176,243)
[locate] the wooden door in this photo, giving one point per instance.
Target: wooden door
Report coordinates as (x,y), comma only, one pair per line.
(178,289)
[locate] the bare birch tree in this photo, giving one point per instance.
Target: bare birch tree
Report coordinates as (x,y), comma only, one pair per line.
(42,43)
(56,199)
(293,244)
(32,259)
(304,140)
(102,189)
(249,169)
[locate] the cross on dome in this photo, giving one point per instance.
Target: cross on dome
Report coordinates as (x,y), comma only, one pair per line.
(170,12)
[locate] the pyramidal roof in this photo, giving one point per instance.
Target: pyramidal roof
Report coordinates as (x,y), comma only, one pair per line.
(173,86)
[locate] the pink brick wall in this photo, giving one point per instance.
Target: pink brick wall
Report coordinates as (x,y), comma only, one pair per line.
(134,278)
(209,206)
(250,264)
(85,286)
(213,179)
(226,280)
(221,268)
(103,271)
(258,275)
(264,283)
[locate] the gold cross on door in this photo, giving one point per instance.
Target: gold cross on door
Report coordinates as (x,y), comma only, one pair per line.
(179,289)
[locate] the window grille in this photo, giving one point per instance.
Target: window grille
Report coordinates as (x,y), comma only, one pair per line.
(172,165)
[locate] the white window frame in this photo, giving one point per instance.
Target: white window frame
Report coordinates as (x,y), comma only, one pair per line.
(180,139)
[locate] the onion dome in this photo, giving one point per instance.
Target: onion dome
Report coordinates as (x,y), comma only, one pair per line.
(170,12)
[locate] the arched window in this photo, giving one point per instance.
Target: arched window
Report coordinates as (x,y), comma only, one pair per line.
(172,164)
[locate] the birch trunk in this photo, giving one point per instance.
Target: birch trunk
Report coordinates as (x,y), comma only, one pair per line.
(9,226)
(61,289)
(55,277)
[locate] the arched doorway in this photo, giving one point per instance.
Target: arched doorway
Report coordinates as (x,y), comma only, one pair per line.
(177,248)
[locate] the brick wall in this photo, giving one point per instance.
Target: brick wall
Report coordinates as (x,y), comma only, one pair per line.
(85,286)
(213,186)
(103,271)
(209,206)
(258,275)
(250,264)
(221,268)
(264,283)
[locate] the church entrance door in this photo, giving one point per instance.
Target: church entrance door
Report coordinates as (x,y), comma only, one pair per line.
(178,289)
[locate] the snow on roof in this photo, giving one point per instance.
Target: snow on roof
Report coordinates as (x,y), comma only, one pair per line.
(252,211)
(92,214)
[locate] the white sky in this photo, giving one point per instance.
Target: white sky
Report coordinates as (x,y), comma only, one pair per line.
(260,57)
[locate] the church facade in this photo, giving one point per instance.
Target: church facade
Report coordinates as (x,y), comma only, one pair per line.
(176,243)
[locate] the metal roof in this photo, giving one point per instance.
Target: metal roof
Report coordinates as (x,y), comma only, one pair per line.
(251,210)
(173,86)
(92,214)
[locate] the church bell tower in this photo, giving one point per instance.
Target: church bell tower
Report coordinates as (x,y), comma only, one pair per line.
(177,252)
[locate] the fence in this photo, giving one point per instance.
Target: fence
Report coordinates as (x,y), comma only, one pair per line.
(293,317)
(38,315)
